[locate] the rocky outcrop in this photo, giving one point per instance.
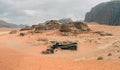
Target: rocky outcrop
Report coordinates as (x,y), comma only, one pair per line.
(75,27)
(40,28)
(71,27)
(53,24)
(105,13)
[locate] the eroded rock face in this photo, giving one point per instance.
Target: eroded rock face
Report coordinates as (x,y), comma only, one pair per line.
(40,28)
(74,27)
(105,13)
(53,24)
(71,27)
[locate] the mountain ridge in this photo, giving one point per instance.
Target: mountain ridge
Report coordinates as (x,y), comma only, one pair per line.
(10,25)
(105,13)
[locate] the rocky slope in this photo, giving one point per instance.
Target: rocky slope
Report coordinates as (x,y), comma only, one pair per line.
(105,13)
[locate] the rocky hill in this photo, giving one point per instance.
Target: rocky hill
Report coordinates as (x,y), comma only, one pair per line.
(10,25)
(71,27)
(105,13)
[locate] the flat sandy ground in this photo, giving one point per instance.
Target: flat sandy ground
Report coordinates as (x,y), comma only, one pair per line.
(24,53)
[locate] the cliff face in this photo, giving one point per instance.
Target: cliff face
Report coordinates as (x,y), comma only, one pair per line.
(105,13)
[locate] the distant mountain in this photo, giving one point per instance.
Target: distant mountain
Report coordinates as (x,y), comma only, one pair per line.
(10,25)
(21,26)
(65,20)
(105,13)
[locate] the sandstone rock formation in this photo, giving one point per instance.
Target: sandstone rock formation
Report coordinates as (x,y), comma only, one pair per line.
(53,24)
(71,27)
(40,28)
(105,13)
(74,27)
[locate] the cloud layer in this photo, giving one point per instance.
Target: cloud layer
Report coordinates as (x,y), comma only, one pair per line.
(34,11)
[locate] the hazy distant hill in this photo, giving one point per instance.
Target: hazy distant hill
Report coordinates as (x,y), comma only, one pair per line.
(65,20)
(10,25)
(105,13)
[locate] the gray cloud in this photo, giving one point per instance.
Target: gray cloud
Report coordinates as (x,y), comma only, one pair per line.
(35,11)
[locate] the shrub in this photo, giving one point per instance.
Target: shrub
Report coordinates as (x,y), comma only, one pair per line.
(13,32)
(110,54)
(118,51)
(119,57)
(100,58)
(23,34)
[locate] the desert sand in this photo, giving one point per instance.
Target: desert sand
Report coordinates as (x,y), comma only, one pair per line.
(24,53)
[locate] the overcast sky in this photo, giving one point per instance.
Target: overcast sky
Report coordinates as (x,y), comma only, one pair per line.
(35,11)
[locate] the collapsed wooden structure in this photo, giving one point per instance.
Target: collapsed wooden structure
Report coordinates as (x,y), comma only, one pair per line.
(71,46)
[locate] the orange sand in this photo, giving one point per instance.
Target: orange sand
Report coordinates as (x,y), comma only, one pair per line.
(23,53)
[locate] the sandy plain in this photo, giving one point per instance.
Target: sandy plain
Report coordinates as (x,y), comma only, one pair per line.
(24,53)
